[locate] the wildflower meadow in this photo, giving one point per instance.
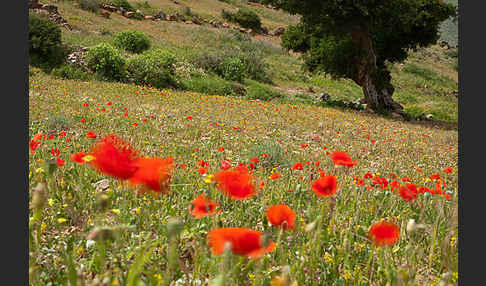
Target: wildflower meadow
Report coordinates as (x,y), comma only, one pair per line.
(132,185)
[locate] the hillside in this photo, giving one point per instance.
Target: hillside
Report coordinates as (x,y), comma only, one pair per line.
(218,180)
(425,83)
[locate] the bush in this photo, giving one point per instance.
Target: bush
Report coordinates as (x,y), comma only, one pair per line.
(45,45)
(245,18)
(89,5)
(232,69)
(259,91)
(132,41)
(106,61)
(153,68)
(213,85)
(276,156)
(68,71)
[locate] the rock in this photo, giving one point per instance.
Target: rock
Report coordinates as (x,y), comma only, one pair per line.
(429,116)
(324,96)
(446,47)
(105,13)
(160,16)
(278,31)
(34,4)
(109,7)
(148,17)
(225,25)
(395,115)
(254,4)
(128,14)
(119,12)
(264,30)
(50,8)
(249,31)
(242,30)
(102,185)
(172,18)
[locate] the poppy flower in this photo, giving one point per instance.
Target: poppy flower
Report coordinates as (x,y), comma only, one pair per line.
(325,186)
(368,176)
(114,157)
(78,157)
(243,242)
(424,190)
(152,173)
(38,137)
(395,185)
(62,134)
(221,149)
(225,165)
(91,135)
(237,183)
(33,145)
(60,162)
(360,183)
(281,215)
(448,170)
(202,170)
(275,176)
(298,166)
(55,152)
(203,207)
(408,192)
(435,177)
(384,233)
(255,160)
(342,158)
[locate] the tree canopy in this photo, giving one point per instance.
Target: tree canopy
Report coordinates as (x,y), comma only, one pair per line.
(355,38)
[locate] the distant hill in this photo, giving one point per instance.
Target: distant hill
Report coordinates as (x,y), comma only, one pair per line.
(449,30)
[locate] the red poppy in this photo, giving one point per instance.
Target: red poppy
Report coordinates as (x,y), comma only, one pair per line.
(384,233)
(33,145)
(281,215)
(225,165)
(38,137)
(78,157)
(243,242)
(342,158)
(60,162)
(424,190)
(408,192)
(405,179)
(304,146)
(360,183)
(62,134)
(152,173)
(435,177)
(298,166)
(113,157)
(317,163)
(275,176)
(325,186)
(189,117)
(203,207)
(393,176)
(221,149)
(368,176)
(202,170)
(395,185)
(237,183)
(91,135)
(448,170)
(182,166)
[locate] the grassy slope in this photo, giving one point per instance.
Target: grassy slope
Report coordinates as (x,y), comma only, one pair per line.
(429,67)
(339,254)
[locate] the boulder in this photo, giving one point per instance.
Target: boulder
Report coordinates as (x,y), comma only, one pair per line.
(278,31)
(160,16)
(128,14)
(105,13)
(109,7)
(50,8)
(172,18)
(149,17)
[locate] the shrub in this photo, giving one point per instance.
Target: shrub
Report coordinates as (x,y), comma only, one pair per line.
(68,71)
(276,156)
(106,61)
(45,45)
(259,91)
(89,5)
(132,41)
(153,68)
(245,18)
(213,85)
(232,69)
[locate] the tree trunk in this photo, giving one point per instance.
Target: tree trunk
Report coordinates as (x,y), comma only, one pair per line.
(375,81)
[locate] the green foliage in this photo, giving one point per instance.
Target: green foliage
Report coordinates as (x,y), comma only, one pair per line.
(428,75)
(213,85)
(106,61)
(257,90)
(244,17)
(68,71)
(153,68)
(132,41)
(45,45)
(89,5)
(232,69)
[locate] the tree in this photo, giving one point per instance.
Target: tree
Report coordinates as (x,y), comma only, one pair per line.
(356,38)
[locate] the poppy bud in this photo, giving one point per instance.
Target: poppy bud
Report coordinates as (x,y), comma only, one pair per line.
(102,201)
(39,196)
(174,226)
(101,233)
